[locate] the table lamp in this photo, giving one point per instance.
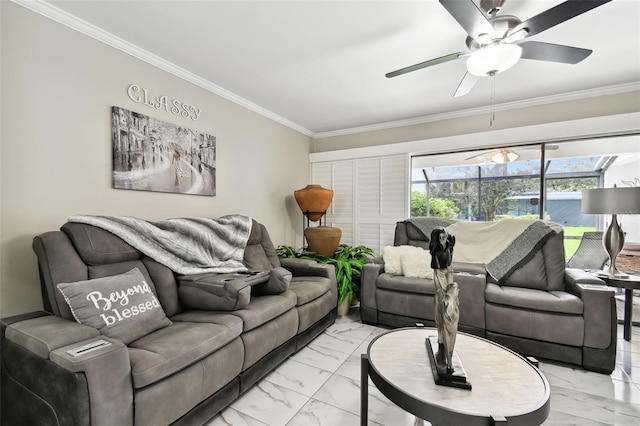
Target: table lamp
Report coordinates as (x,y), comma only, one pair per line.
(612,201)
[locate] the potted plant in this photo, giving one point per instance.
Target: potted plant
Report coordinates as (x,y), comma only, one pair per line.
(348,262)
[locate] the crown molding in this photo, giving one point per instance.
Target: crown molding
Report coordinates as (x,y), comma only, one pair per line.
(544,100)
(47,10)
(583,128)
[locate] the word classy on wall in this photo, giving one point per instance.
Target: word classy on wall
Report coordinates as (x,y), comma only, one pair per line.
(175,106)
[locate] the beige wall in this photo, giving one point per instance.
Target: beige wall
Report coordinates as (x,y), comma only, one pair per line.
(58,87)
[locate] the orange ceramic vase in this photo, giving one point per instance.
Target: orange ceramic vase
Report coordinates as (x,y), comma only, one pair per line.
(323,239)
(313,200)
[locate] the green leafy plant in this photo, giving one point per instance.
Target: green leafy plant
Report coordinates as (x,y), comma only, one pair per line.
(347,260)
(286,252)
(438,207)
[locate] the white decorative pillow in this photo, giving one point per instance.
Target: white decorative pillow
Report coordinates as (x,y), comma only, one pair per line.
(122,307)
(416,263)
(392,259)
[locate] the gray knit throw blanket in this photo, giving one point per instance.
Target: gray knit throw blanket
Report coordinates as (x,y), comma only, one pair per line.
(184,245)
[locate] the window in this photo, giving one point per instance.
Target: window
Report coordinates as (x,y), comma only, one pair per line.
(526,182)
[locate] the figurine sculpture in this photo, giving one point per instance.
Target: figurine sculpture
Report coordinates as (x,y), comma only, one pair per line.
(446,307)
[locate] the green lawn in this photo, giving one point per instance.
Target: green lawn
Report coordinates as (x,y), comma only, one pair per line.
(571,244)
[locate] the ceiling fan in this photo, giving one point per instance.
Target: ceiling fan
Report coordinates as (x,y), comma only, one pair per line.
(497,43)
(505,155)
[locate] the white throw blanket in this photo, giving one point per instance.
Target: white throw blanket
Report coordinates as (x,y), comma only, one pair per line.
(481,242)
(184,245)
(501,246)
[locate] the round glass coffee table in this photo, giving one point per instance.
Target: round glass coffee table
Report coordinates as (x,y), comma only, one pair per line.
(506,388)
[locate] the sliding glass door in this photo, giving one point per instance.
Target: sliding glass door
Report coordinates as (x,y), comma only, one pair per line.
(533,181)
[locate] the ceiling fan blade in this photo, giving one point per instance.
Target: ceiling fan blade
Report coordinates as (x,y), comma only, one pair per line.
(553,52)
(469,16)
(558,14)
(425,64)
(482,154)
(488,154)
(468,81)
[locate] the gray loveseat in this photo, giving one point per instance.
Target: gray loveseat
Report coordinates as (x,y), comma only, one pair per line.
(182,373)
(537,307)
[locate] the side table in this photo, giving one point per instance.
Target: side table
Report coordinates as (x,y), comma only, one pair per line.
(629,283)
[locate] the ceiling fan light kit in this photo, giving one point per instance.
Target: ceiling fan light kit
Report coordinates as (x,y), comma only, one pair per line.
(496,43)
(493,59)
(504,156)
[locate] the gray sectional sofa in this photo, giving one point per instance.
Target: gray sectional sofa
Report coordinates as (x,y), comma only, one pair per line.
(537,307)
(188,365)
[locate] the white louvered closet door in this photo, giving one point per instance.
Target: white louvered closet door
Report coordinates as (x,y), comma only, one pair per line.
(382,199)
(370,196)
(339,176)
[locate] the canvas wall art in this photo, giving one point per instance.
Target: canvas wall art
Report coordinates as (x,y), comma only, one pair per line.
(153,155)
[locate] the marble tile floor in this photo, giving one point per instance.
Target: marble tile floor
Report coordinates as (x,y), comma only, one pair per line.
(320,385)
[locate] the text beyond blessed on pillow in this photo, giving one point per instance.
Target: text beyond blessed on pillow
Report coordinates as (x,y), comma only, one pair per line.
(122,297)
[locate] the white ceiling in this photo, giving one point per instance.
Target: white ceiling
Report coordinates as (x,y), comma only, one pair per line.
(319,66)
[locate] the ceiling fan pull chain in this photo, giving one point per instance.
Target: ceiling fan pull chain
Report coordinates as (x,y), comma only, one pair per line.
(492,111)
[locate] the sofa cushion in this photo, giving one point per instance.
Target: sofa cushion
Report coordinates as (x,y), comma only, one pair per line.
(314,299)
(110,269)
(414,233)
(531,275)
(166,286)
(554,262)
(409,304)
(264,308)
(122,306)
(260,254)
(538,300)
(408,234)
(97,246)
(171,349)
(309,288)
(539,326)
(405,284)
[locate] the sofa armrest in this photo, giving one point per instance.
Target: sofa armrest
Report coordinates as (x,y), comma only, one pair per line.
(107,368)
(597,299)
(469,268)
(370,273)
(573,276)
(306,267)
(44,334)
(108,372)
(218,292)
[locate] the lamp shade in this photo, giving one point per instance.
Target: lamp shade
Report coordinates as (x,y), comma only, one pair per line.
(493,59)
(611,200)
